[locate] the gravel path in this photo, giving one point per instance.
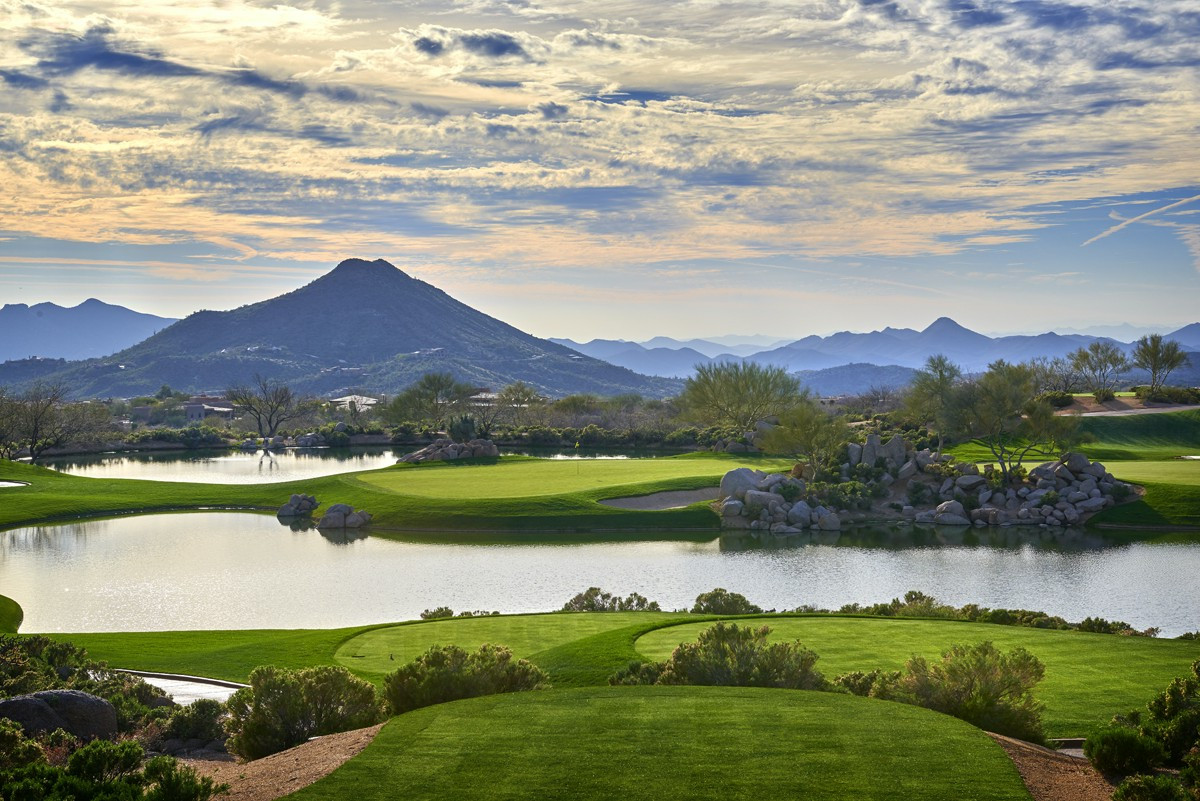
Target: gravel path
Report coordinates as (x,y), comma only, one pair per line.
(660,501)
(286,772)
(1051,776)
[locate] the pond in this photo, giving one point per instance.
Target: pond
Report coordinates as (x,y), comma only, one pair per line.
(240,467)
(239,570)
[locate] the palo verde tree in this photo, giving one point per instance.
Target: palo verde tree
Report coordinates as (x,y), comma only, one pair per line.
(269,403)
(431,400)
(808,432)
(1099,363)
(1002,410)
(932,396)
(1159,358)
(738,394)
(517,402)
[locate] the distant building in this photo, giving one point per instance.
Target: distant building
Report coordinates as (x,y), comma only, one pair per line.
(199,412)
(361,402)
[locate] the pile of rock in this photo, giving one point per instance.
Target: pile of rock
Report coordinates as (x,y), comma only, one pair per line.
(310,440)
(1060,493)
(343,515)
(447,449)
(299,505)
(754,500)
(84,715)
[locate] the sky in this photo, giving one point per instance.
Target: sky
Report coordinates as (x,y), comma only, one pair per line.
(614,169)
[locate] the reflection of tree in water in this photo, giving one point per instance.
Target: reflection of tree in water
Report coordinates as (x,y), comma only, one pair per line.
(903,538)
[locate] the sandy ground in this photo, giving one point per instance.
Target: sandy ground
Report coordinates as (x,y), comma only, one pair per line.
(659,501)
(286,772)
(1050,776)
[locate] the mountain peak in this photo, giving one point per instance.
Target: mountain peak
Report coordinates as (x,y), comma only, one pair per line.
(364,267)
(944,325)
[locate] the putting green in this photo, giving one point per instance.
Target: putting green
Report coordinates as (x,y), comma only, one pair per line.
(665,743)
(1089,677)
(380,651)
(529,478)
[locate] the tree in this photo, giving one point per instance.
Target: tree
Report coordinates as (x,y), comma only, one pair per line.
(1002,411)
(932,394)
(270,404)
(431,399)
(738,394)
(41,418)
(1159,357)
(517,401)
(808,432)
(9,438)
(1056,375)
(1099,363)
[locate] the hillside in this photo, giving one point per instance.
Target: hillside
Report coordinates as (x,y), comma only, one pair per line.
(93,328)
(365,325)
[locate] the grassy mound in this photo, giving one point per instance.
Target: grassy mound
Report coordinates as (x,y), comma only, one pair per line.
(515,494)
(675,743)
(1172,494)
(1089,677)
(11,615)
(1142,436)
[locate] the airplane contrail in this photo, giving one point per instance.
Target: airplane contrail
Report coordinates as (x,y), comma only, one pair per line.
(1132,220)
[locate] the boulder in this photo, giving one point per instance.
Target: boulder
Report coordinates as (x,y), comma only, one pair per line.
(924,458)
(343,508)
(800,514)
(735,483)
(952,508)
(870,451)
(86,716)
(732,507)
(854,453)
(907,470)
(893,451)
(926,516)
(985,495)
(1063,473)
(761,500)
(1075,462)
(830,522)
(357,519)
(332,519)
(947,519)
(1092,504)
(970,483)
(766,483)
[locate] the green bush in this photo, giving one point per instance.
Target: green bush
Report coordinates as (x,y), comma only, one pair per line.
(106,771)
(1184,395)
(1057,399)
(448,673)
(1151,788)
(462,429)
(873,683)
(729,655)
(282,708)
(199,720)
(1104,395)
(918,493)
(1174,716)
(16,750)
(981,685)
(1121,750)
(438,613)
(720,601)
(594,599)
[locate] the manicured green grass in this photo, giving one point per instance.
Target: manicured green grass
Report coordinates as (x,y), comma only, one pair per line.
(379,651)
(11,615)
(1172,494)
(1142,436)
(1089,677)
(229,655)
(513,494)
(675,743)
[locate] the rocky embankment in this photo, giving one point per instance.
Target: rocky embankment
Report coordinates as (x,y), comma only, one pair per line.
(889,483)
(444,449)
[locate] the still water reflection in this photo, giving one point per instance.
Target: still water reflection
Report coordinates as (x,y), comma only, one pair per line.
(237,570)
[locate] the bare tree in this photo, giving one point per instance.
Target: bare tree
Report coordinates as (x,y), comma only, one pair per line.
(1056,375)
(9,436)
(270,404)
(41,418)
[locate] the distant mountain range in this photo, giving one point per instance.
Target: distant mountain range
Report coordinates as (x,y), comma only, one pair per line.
(903,347)
(364,325)
(85,331)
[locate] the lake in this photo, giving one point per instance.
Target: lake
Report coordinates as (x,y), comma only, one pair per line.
(239,467)
(239,570)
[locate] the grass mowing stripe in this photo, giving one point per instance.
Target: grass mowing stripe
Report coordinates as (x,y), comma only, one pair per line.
(1089,677)
(675,743)
(11,615)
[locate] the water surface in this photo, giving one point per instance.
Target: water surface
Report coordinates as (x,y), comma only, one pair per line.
(239,570)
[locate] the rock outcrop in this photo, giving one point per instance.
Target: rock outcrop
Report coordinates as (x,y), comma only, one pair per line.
(343,515)
(298,505)
(84,715)
(446,449)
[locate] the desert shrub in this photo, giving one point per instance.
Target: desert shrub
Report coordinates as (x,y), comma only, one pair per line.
(282,708)
(872,683)
(638,673)
(1099,625)
(1151,788)
(462,429)
(477,613)
(1050,498)
(729,655)
(594,599)
(17,750)
(1174,716)
(1057,398)
(1185,395)
(1103,395)
(720,601)
(1190,774)
(1121,750)
(199,720)
(683,436)
(448,673)
(105,771)
(981,685)
(918,493)
(438,613)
